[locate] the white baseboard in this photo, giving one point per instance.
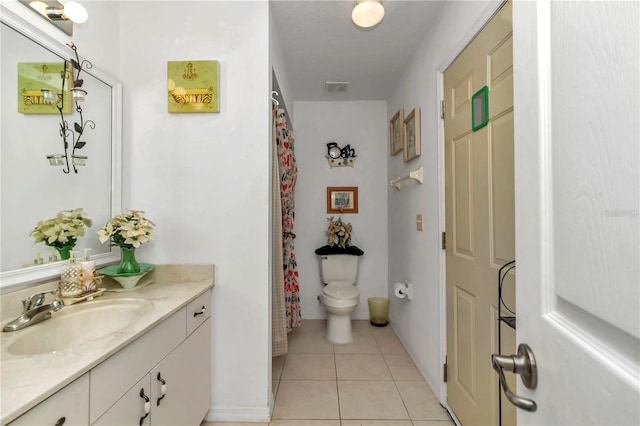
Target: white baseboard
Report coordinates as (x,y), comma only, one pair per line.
(261,414)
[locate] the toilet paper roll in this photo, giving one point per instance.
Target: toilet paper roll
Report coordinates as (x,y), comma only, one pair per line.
(399,289)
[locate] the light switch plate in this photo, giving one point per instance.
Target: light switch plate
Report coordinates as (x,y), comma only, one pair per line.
(419,222)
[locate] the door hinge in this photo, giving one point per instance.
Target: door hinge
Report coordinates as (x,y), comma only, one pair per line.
(443,105)
(444,370)
(444,241)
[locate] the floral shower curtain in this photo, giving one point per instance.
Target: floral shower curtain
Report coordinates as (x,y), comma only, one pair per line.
(279,343)
(288,175)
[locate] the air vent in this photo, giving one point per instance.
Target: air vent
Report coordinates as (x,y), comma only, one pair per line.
(336,86)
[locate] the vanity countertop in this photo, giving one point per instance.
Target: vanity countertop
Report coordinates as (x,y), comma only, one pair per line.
(27,380)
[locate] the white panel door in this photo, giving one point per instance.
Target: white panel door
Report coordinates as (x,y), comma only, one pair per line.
(576,90)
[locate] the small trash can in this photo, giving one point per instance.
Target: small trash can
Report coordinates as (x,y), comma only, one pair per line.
(378,311)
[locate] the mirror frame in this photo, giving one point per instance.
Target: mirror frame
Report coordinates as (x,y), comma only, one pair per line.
(40,273)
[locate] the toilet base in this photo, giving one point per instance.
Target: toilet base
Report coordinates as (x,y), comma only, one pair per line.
(339,328)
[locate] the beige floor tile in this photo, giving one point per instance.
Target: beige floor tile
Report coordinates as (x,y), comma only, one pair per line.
(434,423)
(402,368)
(389,343)
(376,423)
(420,401)
(233,424)
(309,367)
(363,341)
(309,327)
(361,367)
(306,399)
(305,423)
(274,388)
(310,344)
(375,400)
(276,366)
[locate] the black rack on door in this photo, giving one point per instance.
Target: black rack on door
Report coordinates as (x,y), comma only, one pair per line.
(510,320)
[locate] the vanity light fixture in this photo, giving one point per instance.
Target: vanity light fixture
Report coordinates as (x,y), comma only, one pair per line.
(62,14)
(367,13)
(70,11)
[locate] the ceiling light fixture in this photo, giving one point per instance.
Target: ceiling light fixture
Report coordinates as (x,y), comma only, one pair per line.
(367,13)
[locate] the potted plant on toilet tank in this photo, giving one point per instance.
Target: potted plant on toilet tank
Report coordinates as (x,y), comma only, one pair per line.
(339,239)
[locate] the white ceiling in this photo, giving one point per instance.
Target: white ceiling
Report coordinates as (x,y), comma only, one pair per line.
(320,43)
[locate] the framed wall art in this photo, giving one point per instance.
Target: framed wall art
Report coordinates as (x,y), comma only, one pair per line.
(40,87)
(395,132)
(411,130)
(193,86)
(343,199)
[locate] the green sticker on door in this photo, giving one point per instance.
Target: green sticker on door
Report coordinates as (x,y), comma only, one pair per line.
(480,109)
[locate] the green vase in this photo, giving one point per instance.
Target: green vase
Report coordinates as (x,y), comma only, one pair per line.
(65,252)
(128,264)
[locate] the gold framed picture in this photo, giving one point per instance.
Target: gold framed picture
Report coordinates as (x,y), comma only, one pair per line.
(411,130)
(342,199)
(396,134)
(193,86)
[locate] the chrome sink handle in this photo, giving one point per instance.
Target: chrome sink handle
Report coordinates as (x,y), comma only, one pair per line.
(36,300)
(523,364)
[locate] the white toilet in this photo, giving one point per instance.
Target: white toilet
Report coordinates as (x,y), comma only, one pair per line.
(339,295)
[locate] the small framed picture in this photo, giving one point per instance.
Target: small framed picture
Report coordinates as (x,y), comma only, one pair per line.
(396,139)
(412,135)
(343,199)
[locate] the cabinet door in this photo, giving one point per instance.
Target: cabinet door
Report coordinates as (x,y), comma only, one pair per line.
(186,373)
(69,407)
(131,408)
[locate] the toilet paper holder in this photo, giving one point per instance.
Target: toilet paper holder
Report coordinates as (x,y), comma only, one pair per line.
(404,289)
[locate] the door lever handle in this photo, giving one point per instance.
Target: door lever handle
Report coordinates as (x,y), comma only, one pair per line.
(523,364)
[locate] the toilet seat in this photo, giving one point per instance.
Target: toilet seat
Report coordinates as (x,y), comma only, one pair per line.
(340,294)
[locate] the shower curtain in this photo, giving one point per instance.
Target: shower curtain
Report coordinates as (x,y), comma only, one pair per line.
(288,174)
(279,344)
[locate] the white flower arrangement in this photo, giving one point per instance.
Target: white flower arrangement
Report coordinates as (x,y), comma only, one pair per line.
(338,233)
(131,229)
(63,230)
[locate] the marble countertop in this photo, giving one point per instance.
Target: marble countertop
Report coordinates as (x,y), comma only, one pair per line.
(27,380)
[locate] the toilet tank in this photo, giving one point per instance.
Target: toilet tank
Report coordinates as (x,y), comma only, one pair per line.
(338,268)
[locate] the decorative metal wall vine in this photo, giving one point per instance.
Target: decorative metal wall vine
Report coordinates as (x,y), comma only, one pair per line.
(73,135)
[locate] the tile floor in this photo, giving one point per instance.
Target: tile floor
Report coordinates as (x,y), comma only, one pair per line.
(370,382)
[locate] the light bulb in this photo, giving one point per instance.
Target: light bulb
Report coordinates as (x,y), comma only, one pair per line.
(41,7)
(75,12)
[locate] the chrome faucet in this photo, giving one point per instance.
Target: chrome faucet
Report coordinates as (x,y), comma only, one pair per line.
(34,311)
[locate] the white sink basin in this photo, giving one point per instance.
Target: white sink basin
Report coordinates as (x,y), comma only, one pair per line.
(78,324)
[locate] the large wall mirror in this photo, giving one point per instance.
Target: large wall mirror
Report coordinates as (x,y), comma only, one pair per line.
(32,190)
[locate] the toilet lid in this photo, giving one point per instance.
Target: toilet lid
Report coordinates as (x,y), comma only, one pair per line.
(341,291)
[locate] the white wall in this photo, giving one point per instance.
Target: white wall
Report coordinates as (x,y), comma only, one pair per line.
(363,125)
(413,255)
(204,178)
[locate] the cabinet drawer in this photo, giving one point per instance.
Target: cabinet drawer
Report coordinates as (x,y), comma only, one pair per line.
(70,403)
(198,311)
(116,375)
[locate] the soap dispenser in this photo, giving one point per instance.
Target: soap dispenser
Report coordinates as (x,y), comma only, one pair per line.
(88,274)
(70,285)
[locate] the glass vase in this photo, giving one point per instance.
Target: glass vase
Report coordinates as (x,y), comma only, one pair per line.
(128,264)
(64,252)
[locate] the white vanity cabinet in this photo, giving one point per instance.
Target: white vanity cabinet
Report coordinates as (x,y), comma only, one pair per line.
(69,407)
(176,352)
